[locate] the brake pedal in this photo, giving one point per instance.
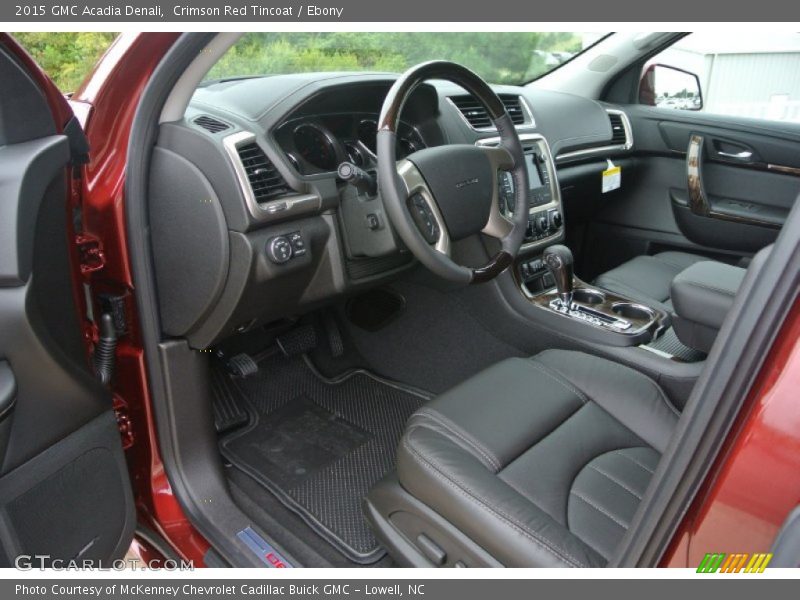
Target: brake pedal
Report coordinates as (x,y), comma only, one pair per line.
(299,340)
(242,365)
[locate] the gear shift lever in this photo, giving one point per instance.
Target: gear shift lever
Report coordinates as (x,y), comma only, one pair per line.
(558,260)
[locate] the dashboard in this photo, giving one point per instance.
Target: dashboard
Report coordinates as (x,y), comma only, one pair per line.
(268,230)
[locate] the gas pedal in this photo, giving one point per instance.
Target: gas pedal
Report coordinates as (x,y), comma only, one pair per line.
(299,340)
(335,342)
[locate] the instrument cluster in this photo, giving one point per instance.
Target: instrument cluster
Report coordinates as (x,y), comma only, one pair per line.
(318,144)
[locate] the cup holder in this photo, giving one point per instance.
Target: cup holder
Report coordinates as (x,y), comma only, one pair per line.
(586,296)
(637,312)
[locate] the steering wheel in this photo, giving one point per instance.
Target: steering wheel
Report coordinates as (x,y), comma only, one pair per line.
(446,193)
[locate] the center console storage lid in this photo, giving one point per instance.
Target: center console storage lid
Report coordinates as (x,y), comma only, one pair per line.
(702,295)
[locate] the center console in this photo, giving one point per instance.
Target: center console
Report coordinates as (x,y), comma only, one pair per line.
(551,285)
(544,271)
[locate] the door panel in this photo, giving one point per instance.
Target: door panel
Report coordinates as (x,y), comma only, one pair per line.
(750,177)
(64,487)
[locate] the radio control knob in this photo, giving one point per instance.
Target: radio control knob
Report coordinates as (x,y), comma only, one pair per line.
(542,225)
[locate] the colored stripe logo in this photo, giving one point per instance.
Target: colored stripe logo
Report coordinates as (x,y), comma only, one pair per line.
(718,562)
(263,549)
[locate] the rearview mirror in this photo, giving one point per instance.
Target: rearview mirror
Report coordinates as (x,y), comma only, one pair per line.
(670,87)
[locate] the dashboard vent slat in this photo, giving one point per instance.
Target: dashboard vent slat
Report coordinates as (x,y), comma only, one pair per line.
(265,180)
(211,124)
(618,134)
(514,108)
(476,114)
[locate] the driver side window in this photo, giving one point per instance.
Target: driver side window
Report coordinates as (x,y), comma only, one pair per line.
(755,76)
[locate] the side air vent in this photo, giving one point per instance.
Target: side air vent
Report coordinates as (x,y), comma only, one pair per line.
(211,124)
(478,118)
(264,178)
(618,134)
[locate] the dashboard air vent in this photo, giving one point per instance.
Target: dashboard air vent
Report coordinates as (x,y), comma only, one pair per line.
(211,124)
(477,116)
(514,108)
(618,135)
(265,180)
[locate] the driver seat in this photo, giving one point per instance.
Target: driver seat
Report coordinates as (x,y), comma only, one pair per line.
(538,462)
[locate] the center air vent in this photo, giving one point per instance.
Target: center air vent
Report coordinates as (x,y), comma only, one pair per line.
(478,118)
(211,124)
(618,133)
(265,180)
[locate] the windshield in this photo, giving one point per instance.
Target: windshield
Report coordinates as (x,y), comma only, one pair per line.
(510,58)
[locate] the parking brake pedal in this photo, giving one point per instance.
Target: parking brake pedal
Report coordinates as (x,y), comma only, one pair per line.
(227,406)
(299,340)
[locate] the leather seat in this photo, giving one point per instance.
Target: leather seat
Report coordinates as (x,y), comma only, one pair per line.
(534,462)
(648,279)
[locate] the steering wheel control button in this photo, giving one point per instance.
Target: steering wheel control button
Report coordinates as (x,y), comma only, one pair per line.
(279,249)
(423,217)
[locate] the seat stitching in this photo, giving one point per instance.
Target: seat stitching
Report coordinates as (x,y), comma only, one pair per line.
(558,378)
(600,509)
(493,461)
(659,392)
(544,437)
(631,290)
(633,460)
(615,480)
(672,264)
(712,288)
(468,493)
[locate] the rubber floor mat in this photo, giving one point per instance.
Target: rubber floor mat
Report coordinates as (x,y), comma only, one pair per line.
(319,444)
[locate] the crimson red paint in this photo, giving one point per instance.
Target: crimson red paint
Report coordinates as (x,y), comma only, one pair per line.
(112,94)
(755,481)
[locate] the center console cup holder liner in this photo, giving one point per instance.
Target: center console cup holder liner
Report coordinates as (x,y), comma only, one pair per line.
(587,296)
(636,312)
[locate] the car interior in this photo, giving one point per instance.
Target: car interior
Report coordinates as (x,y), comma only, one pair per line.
(380,394)
(422,320)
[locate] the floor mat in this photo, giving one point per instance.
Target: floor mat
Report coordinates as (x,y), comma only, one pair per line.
(669,343)
(320,444)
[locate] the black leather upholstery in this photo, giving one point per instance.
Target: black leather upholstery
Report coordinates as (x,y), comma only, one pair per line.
(702,295)
(541,461)
(648,279)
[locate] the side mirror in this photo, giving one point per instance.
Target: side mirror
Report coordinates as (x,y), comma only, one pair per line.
(670,87)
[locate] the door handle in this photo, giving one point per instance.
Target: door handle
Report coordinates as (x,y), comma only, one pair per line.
(743,155)
(698,199)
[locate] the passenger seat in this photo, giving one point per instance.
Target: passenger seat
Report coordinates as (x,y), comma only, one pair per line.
(648,279)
